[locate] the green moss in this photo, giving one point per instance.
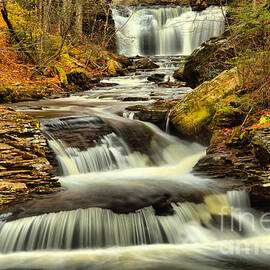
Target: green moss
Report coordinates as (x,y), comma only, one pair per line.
(191,122)
(264,119)
(113,67)
(62,75)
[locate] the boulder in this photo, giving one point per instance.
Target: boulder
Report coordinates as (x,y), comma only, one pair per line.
(197,114)
(114,68)
(179,74)
(80,78)
(206,62)
(125,61)
(145,63)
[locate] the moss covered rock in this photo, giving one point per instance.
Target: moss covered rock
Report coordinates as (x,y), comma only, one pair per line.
(197,114)
(62,75)
(114,68)
(145,63)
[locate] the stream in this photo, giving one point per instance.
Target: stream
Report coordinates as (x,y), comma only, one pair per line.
(129,199)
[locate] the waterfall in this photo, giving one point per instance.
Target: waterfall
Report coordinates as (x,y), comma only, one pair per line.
(165,31)
(115,150)
(96,228)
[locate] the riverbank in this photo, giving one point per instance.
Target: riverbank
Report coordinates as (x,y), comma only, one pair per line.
(25,159)
(229,108)
(27,165)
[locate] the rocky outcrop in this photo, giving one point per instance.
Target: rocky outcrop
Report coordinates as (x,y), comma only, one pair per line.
(206,62)
(220,114)
(24,166)
(241,159)
(197,114)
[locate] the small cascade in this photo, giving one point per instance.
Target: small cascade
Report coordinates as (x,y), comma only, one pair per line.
(110,153)
(167,122)
(129,115)
(96,228)
(119,149)
(165,31)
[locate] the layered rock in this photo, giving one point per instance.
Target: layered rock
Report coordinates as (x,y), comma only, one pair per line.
(222,115)
(206,62)
(24,166)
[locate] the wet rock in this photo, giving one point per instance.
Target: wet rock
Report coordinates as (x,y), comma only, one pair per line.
(155,113)
(145,63)
(179,74)
(206,62)
(105,84)
(194,115)
(158,77)
(81,79)
(261,144)
(135,98)
(24,154)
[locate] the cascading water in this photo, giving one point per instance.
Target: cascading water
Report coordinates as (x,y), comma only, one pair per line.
(165,30)
(131,174)
(128,198)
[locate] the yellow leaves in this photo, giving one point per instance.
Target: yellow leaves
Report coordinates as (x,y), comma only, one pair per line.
(24,19)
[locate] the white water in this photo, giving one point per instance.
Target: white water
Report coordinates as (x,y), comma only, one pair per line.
(165,30)
(220,232)
(234,255)
(113,153)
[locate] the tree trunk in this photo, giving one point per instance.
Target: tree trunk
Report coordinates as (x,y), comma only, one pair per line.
(79,19)
(12,32)
(67,13)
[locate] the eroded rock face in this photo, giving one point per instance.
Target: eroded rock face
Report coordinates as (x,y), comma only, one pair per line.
(261,144)
(247,160)
(24,165)
(206,62)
